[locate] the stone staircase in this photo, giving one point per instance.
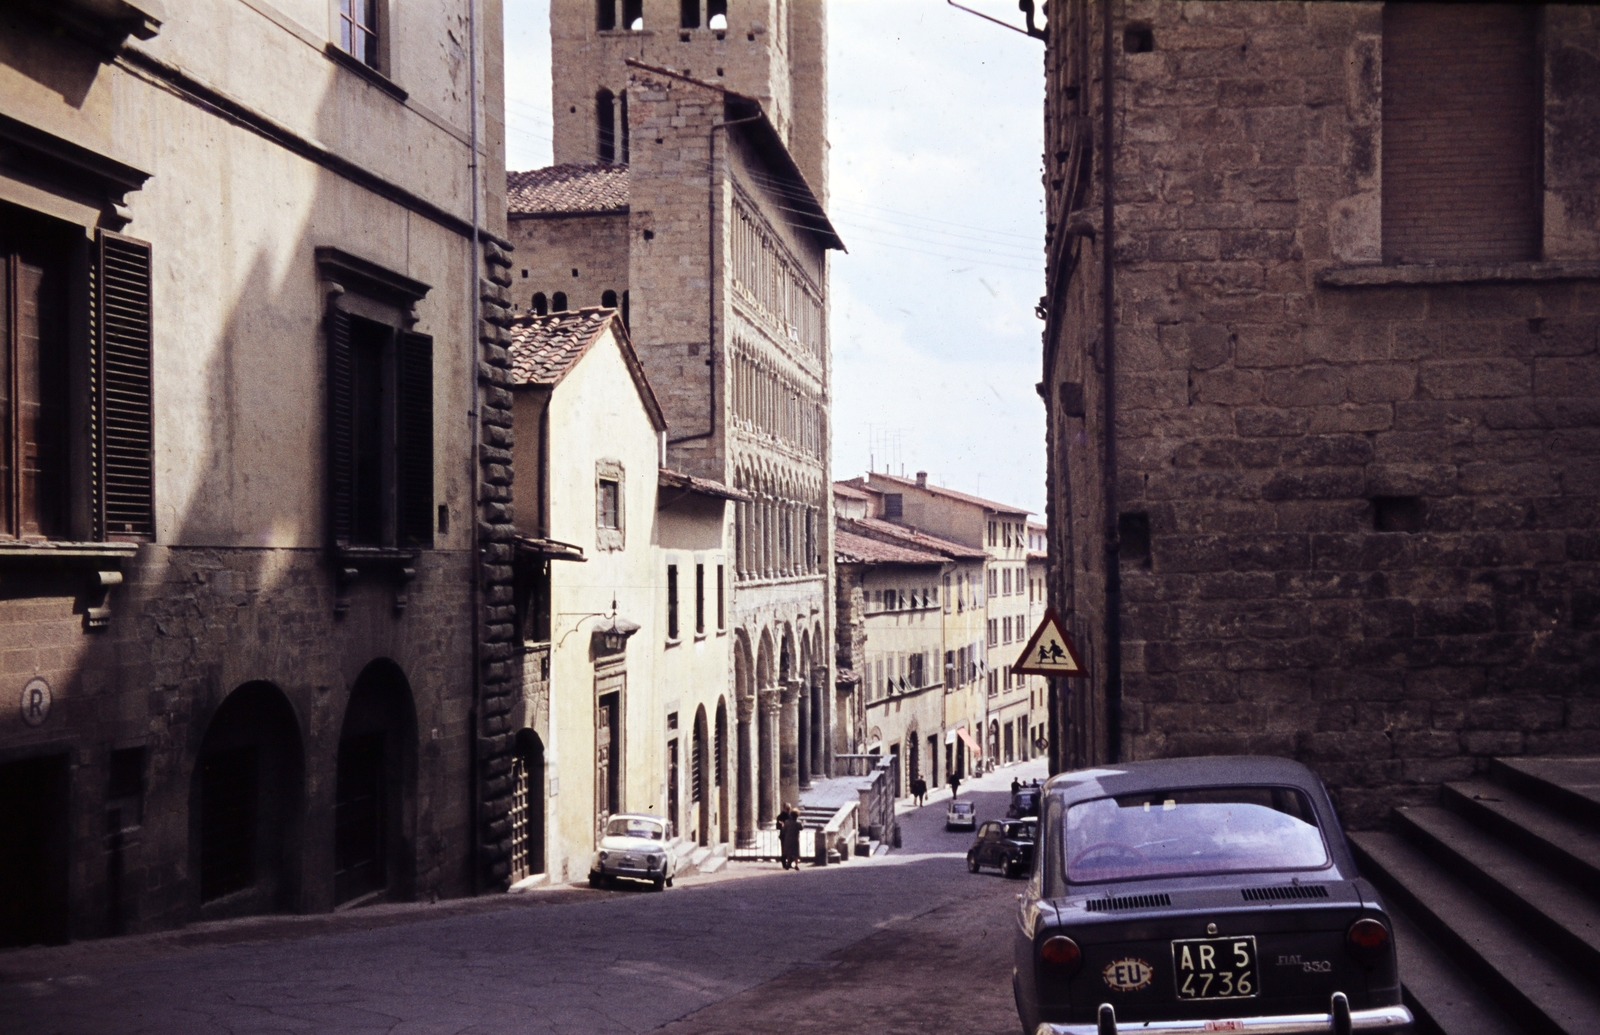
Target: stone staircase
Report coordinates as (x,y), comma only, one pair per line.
(1496,892)
(694,858)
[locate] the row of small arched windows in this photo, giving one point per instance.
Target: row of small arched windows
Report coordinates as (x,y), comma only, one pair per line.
(633,14)
(557,303)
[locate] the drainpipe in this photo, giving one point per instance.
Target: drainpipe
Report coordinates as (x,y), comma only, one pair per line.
(474,263)
(711,280)
(1109,340)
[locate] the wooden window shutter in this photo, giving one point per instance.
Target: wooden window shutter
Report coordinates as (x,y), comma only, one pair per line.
(341,427)
(414,441)
(122,439)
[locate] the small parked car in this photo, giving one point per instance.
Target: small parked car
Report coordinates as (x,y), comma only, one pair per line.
(634,847)
(1006,845)
(960,814)
(1185,893)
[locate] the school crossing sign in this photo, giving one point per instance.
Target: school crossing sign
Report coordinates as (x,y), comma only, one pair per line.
(1050,651)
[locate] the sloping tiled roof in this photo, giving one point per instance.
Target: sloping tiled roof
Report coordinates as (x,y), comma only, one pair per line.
(854,549)
(574,187)
(670,479)
(939,490)
(850,491)
(888,531)
(544,348)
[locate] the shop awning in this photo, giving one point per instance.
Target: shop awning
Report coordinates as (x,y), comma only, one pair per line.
(971,744)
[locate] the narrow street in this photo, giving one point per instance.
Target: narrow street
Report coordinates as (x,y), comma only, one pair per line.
(904,942)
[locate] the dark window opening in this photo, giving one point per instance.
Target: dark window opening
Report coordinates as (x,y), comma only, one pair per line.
(605,118)
(34,853)
(722,622)
(717,14)
(608,299)
(1138,39)
(358,30)
(672,601)
(689,14)
(893,505)
(541,305)
(625,310)
(1397,514)
(1133,530)
(381,433)
(605,15)
(633,14)
(558,302)
(33,381)
(610,503)
(533,590)
(622,121)
(444,518)
(125,787)
(700,598)
(524,274)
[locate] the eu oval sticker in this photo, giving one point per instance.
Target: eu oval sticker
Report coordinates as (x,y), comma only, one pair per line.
(1128,975)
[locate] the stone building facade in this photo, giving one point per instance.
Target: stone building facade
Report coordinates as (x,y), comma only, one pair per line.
(241,300)
(689,193)
(1322,431)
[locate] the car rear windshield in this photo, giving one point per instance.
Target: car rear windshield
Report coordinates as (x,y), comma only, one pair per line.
(1020,831)
(1192,831)
(644,828)
(961,806)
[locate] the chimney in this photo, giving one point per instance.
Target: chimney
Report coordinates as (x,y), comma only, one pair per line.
(922,479)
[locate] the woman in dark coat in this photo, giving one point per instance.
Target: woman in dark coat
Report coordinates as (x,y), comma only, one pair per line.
(789,835)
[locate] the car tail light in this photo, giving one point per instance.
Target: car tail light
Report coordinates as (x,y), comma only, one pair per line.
(1368,940)
(1061,955)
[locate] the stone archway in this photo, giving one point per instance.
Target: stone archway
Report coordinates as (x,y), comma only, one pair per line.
(247,806)
(375,797)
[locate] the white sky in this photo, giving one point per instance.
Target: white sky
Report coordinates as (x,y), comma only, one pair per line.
(935,119)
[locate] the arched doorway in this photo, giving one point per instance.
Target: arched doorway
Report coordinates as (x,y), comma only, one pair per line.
(527,806)
(247,806)
(719,748)
(700,785)
(374,812)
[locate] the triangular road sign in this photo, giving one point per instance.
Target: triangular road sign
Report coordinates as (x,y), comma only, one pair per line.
(1050,651)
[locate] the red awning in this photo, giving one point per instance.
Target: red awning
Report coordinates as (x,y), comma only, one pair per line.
(962,733)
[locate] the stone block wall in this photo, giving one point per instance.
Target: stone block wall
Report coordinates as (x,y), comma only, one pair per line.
(1357,504)
(582,256)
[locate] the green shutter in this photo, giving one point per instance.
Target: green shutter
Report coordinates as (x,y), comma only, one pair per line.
(414,441)
(341,427)
(123,490)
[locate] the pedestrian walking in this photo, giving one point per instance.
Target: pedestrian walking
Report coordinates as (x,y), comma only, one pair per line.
(1016,785)
(955,786)
(789,824)
(919,787)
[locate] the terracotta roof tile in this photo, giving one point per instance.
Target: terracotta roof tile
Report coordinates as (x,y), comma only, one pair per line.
(574,187)
(854,549)
(544,348)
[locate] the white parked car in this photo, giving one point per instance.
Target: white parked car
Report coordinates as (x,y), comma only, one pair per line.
(634,846)
(960,815)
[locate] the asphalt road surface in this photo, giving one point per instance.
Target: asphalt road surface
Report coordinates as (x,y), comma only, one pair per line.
(907,942)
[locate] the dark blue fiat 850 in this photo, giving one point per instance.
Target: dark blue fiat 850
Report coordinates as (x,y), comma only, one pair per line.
(1200,894)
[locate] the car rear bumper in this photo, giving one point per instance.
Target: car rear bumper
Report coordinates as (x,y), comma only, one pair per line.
(1396,1019)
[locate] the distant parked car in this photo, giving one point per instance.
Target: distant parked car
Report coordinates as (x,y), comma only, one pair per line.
(1024,801)
(1200,892)
(634,847)
(960,814)
(1004,844)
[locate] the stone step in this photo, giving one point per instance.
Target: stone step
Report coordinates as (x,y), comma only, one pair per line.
(1570,786)
(1530,980)
(1543,902)
(1444,1000)
(713,864)
(1559,841)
